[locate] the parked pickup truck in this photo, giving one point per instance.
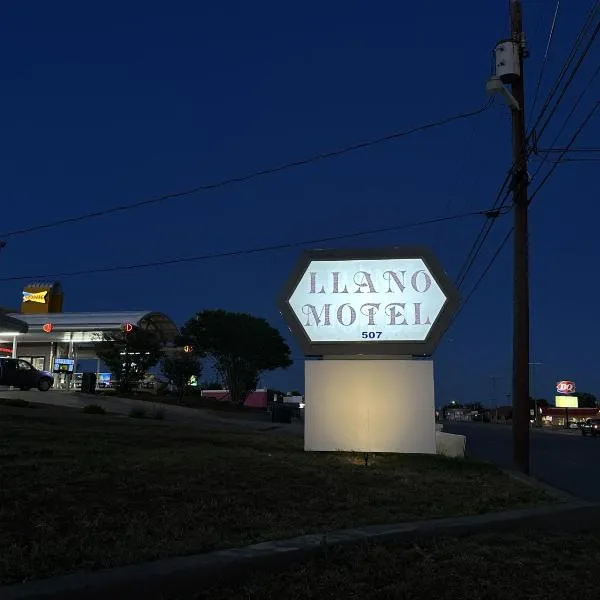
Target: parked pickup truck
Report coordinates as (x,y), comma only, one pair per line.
(591,427)
(17,372)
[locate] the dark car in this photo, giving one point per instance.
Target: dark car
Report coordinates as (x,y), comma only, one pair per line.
(591,427)
(19,373)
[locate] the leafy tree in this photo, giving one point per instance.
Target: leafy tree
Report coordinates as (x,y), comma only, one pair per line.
(129,356)
(586,400)
(179,369)
(241,345)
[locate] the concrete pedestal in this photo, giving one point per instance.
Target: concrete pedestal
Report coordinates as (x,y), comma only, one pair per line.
(369,405)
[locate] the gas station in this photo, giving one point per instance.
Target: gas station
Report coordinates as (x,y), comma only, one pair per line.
(56,341)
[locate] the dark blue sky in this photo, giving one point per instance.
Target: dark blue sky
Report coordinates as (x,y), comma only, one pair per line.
(107,105)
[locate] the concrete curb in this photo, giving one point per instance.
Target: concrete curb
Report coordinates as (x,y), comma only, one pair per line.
(186,575)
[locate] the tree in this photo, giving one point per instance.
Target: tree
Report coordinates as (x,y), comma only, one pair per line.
(241,345)
(179,369)
(586,400)
(129,356)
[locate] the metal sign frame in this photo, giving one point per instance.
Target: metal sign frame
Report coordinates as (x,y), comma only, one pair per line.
(367,348)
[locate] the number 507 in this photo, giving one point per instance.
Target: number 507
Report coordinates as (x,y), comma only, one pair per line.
(371,335)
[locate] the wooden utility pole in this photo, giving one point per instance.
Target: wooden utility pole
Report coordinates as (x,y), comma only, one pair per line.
(520,181)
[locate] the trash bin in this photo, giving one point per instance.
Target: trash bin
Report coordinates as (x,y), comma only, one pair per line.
(88,383)
(281,413)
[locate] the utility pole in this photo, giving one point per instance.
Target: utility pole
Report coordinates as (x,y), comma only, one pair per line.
(520,181)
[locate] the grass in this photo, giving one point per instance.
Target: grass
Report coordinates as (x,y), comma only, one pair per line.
(78,492)
(137,413)
(194,400)
(17,402)
(519,566)
(93,409)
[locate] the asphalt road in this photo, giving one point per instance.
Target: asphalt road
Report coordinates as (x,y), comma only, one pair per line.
(565,460)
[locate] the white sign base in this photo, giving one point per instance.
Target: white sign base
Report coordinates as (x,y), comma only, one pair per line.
(364,405)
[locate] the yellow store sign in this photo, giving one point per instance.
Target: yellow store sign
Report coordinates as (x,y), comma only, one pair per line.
(36,297)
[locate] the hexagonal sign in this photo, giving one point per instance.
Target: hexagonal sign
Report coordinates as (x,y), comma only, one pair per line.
(392,301)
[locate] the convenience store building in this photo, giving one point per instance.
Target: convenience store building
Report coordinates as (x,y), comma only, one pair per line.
(42,333)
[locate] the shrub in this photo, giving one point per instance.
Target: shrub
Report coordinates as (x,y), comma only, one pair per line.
(94,409)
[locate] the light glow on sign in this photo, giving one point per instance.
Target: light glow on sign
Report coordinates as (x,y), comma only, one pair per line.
(367,300)
(566,401)
(47,327)
(37,297)
(565,387)
(127,327)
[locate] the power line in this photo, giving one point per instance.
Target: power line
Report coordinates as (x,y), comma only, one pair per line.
(459,175)
(250,176)
(545,61)
(583,149)
(582,57)
(581,159)
(485,230)
(578,131)
(570,115)
(536,191)
(566,66)
(483,274)
(247,251)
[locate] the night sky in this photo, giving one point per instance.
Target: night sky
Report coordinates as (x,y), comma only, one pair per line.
(117,102)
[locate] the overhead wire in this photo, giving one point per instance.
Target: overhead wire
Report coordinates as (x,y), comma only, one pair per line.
(503,243)
(486,229)
(545,60)
(254,175)
(566,66)
(248,251)
(582,94)
(483,274)
(538,128)
(572,141)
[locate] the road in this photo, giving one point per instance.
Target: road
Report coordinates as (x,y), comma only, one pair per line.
(565,460)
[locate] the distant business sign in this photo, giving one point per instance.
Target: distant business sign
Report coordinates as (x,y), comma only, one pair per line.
(36,297)
(565,387)
(566,401)
(393,301)
(64,365)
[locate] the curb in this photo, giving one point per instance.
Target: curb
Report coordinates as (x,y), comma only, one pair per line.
(162,579)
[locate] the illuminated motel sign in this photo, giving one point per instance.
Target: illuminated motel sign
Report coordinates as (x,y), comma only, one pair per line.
(394,301)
